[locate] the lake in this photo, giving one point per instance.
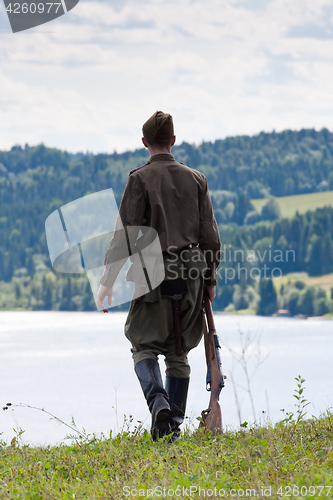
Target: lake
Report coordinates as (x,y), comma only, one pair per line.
(77,364)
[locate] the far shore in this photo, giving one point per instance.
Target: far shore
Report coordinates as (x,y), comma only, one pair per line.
(242,312)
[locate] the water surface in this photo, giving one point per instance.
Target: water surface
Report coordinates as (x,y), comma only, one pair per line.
(79,364)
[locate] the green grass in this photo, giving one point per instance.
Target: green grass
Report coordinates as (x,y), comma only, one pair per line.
(301,202)
(293,458)
(292,454)
(325,281)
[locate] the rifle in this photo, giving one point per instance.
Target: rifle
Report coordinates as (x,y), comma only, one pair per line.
(212,417)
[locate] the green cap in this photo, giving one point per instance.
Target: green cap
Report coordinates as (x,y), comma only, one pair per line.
(159,125)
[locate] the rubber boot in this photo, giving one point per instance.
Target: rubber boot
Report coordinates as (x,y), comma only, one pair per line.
(177,389)
(149,375)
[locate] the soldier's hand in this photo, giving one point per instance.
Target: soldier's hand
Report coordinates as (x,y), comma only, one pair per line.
(103,292)
(211,290)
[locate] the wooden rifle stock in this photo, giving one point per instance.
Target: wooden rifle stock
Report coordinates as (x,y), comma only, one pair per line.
(212,417)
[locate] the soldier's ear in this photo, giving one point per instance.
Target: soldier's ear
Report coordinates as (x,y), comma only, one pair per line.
(144,142)
(173,140)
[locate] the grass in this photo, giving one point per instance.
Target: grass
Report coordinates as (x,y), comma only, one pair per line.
(281,458)
(325,281)
(301,202)
(292,458)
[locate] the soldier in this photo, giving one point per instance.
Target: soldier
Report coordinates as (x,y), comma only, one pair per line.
(174,200)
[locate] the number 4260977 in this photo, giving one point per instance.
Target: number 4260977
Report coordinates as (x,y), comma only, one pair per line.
(33,8)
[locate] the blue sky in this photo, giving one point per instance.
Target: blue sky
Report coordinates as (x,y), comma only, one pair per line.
(88,80)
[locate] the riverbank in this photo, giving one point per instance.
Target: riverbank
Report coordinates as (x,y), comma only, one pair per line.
(293,458)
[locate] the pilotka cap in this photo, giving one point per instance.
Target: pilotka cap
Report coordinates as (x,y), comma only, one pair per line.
(159,125)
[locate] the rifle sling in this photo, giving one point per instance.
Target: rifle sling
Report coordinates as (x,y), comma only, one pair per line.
(175,290)
(178,329)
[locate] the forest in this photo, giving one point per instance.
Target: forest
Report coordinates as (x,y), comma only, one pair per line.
(256,246)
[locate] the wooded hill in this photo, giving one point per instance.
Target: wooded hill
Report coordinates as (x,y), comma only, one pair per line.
(34,181)
(280,164)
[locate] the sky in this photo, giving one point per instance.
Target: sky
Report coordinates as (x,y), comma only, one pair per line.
(88,80)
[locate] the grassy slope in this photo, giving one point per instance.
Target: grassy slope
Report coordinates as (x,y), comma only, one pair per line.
(325,281)
(302,202)
(287,456)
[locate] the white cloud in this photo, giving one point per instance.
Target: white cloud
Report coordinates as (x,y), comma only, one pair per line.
(221,67)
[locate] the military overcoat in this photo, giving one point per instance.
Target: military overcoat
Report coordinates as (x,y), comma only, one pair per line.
(174,200)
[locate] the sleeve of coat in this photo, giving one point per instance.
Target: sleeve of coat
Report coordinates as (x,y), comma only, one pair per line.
(131,213)
(209,236)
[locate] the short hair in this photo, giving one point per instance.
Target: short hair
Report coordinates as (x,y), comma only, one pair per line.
(160,143)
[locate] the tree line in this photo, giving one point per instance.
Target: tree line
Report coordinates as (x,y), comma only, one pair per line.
(35,181)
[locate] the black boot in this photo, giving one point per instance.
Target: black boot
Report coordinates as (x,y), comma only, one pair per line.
(149,375)
(177,389)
